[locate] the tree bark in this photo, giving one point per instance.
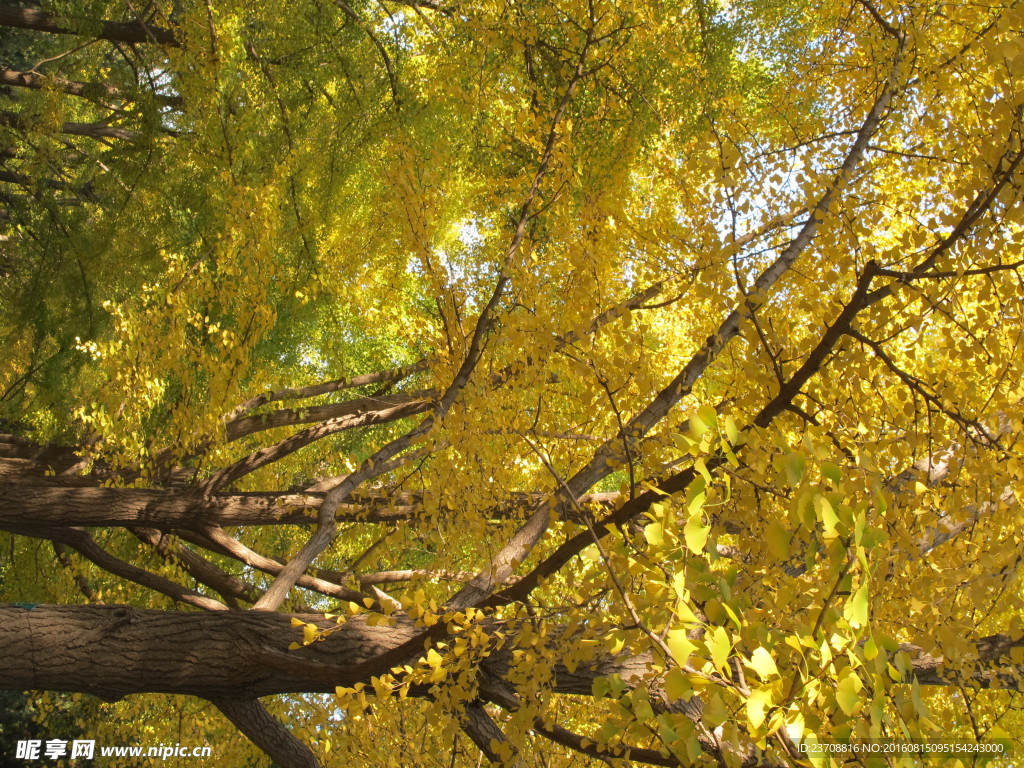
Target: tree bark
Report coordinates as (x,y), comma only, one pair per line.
(390,408)
(89,130)
(252,719)
(40,506)
(74,88)
(30,500)
(124,32)
(112,651)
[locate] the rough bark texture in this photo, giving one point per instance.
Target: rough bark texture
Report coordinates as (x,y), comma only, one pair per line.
(125,32)
(366,407)
(90,130)
(42,506)
(113,651)
(30,500)
(86,90)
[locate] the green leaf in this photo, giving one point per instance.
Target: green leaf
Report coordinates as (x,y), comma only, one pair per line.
(702,468)
(870,649)
(643,711)
(696,503)
(793,465)
(915,697)
(715,712)
(708,415)
(680,645)
(828,516)
(873,537)
(698,425)
(693,747)
(831,471)
(732,616)
(685,613)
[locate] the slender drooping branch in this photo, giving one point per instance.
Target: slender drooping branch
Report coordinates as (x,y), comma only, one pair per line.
(268,733)
(86,546)
(268,565)
(265,456)
(230,587)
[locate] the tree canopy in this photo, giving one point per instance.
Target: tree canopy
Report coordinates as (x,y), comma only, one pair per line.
(551,383)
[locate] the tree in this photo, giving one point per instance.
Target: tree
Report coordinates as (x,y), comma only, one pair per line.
(596,383)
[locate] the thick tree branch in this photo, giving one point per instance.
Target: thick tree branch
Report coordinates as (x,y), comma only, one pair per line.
(301,393)
(289,445)
(45,506)
(84,585)
(268,565)
(485,733)
(99,130)
(124,32)
(114,651)
(60,503)
(231,588)
(364,407)
(577,743)
(93,91)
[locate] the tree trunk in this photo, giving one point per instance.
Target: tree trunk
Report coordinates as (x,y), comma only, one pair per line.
(116,650)
(112,651)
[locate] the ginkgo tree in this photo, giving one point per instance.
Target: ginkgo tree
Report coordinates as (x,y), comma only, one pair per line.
(550,383)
